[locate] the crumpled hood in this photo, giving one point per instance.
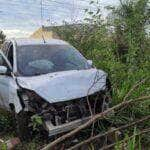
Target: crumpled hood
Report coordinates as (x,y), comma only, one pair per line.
(67,85)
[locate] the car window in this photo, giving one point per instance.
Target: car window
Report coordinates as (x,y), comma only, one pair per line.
(10,55)
(5,47)
(2,61)
(42,59)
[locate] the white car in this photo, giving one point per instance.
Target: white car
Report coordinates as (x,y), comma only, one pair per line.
(50,79)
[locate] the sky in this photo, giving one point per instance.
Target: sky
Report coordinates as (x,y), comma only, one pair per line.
(20,18)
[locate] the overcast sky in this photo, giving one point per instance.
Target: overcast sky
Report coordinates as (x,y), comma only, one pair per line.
(20,18)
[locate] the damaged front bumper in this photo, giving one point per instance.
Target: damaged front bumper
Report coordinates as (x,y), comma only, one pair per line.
(63,116)
(54,130)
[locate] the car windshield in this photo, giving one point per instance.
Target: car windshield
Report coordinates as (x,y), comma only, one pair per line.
(42,59)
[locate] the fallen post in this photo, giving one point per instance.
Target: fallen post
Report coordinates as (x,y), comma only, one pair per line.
(109,132)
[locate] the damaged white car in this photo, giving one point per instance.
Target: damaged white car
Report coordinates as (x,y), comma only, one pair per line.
(53,80)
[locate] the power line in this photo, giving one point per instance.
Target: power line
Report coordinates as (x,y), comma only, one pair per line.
(50,4)
(48,8)
(44,4)
(67,4)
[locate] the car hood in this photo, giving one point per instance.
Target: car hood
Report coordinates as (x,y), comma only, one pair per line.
(66,85)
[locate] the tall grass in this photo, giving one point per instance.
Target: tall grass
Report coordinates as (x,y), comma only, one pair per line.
(124,53)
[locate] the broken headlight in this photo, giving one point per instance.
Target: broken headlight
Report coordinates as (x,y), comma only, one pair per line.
(29,100)
(26,95)
(23,94)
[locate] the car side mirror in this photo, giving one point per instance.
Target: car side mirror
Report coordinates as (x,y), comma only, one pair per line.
(90,62)
(3,69)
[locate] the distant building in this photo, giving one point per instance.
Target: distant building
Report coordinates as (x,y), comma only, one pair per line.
(57,31)
(46,32)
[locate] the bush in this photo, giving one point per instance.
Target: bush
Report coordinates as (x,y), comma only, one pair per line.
(6,121)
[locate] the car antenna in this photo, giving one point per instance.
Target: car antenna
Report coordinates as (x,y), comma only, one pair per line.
(42,26)
(43,34)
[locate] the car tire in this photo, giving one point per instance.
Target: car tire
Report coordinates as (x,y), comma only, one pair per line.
(22,121)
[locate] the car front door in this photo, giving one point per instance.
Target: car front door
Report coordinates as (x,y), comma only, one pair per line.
(8,84)
(5,78)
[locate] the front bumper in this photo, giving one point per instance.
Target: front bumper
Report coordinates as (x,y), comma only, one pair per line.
(54,130)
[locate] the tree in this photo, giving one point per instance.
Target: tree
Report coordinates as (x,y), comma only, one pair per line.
(2,37)
(130,20)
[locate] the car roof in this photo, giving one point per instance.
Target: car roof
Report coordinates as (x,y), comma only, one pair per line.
(29,41)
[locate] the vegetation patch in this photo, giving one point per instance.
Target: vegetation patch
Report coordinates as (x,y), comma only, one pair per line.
(120,45)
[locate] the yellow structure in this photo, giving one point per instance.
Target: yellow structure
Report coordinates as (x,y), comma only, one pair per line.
(56,32)
(47,34)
